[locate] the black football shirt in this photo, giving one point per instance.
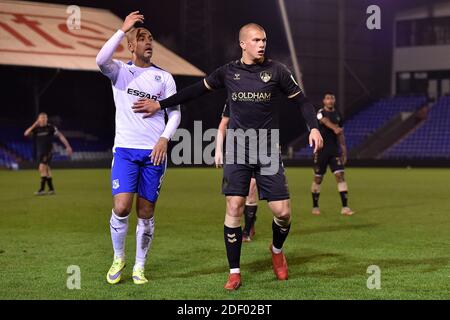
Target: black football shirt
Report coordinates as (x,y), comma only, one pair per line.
(253,92)
(44,137)
(330,140)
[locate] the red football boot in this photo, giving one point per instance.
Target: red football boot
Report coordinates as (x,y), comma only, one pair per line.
(279,264)
(234,281)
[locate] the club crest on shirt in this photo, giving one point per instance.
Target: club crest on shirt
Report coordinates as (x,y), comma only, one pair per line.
(265,76)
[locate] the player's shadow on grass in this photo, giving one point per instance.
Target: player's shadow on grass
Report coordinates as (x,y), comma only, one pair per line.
(347,268)
(334,265)
(344,266)
(261,265)
(390,206)
(333,228)
(327,264)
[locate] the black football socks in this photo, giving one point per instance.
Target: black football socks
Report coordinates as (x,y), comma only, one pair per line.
(233,243)
(250,217)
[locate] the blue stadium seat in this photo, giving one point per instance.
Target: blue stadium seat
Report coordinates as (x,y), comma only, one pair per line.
(85,147)
(363,124)
(431,140)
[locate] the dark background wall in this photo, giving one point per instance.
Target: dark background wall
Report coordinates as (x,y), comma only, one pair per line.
(205,33)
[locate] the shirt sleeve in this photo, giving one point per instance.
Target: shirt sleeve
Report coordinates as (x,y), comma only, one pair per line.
(216,80)
(170,87)
(320,115)
(288,84)
(173,113)
(55,131)
(174,119)
(226,110)
(105,62)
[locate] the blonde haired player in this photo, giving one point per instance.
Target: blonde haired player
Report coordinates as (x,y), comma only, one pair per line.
(253,84)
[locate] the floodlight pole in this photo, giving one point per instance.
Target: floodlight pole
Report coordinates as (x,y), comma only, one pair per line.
(341,57)
(37,93)
(290,40)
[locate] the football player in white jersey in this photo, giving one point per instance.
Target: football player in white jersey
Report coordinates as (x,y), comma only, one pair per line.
(140,145)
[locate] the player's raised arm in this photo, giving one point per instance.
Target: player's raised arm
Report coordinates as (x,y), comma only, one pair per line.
(107,65)
(326,122)
(30,129)
(214,81)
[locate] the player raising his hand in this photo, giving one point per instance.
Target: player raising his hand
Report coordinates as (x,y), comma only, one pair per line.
(140,145)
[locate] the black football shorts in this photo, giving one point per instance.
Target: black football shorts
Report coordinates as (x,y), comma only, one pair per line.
(44,157)
(325,158)
(271,187)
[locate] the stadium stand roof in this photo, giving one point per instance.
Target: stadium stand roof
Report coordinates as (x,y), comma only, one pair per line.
(47,35)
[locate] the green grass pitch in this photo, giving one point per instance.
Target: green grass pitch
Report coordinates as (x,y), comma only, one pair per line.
(402,225)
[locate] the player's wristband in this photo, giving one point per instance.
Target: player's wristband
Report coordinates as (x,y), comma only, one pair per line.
(185,95)
(308,112)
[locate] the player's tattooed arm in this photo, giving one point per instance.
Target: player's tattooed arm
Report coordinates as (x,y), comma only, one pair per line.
(341,139)
(326,122)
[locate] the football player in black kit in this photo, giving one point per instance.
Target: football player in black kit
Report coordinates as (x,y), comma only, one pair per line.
(333,154)
(43,134)
(254,85)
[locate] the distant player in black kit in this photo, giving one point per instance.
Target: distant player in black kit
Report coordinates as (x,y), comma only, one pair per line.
(43,134)
(333,154)
(254,85)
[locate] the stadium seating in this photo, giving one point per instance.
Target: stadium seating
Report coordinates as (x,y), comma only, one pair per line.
(430,140)
(364,123)
(7,161)
(85,146)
